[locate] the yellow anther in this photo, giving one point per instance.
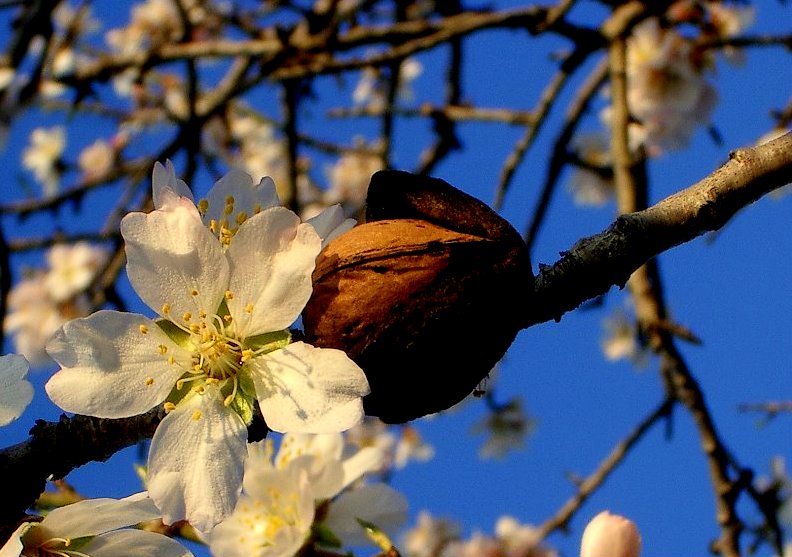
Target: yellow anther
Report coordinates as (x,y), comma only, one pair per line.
(246,355)
(171,360)
(202,314)
(257,209)
(179,384)
(166,308)
(196,368)
(249,308)
(241,217)
(196,415)
(212,226)
(169,407)
(195,328)
(143,329)
(229,295)
(227,318)
(203,206)
(200,389)
(229,200)
(187,316)
(149,381)
(193,292)
(162,349)
(228,400)
(212,381)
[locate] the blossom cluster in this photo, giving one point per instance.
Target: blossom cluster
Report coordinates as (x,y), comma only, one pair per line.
(45,299)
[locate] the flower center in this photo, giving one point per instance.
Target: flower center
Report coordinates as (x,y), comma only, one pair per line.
(226,227)
(57,547)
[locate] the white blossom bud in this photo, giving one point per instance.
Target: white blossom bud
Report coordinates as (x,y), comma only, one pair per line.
(610,535)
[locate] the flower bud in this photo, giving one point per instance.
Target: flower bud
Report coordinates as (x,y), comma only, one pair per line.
(425,297)
(610,535)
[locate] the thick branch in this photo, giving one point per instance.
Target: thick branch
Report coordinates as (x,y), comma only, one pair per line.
(594,264)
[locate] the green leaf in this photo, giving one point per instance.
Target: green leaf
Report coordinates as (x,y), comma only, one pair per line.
(269,342)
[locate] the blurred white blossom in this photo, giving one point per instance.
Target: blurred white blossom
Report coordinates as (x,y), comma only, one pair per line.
(400,444)
(349,178)
(429,536)
(588,185)
(506,428)
(16,392)
(620,341)
(72,267)
(43,154)
(96,160)
(371,93)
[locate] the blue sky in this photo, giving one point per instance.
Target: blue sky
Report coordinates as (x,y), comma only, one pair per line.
(731,289)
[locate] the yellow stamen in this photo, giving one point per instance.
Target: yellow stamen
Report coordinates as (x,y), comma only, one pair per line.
(196,415)
(149,381)
(143,329)
(166,308)
(169,407)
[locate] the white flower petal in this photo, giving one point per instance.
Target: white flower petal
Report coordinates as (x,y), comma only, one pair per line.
(303,389)
(196,461)
(248,196)
(262,525)
(320,457)
(134,543)
(379,504)
(272,258)
(367,459)
(16,392)
(168,190)
(13,547)
(97,516)
(109,368)
(172,258)
(330,223)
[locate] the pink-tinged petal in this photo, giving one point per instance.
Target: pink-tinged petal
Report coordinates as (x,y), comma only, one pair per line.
(303,389)
(167,190)
(196,461)
(134,543)
(97,516)
(113,365)
(249,197)
(173,259)
(378,504)
(16,392)
(272,258)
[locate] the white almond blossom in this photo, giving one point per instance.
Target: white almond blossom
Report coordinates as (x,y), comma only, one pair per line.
(16,392)
(429,536)
(92,528)
(227,278)
(349,179)
(72,268)
(96,161)
(274,515)
(511,539)
(43,155)
(400,444)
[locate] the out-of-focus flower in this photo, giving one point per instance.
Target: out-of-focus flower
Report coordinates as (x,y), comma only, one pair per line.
(400,444)
(154,22)
(16,392)
(588,185)
(511,539)
(729,20)
(44,300)
(92,528)
(610,535)
(620,341)
(227,278)
(349,179)
(261,153)
(96,161)
(42,156)
(667,93)
(72,268)
(506,426)
(276,510)
(520,540)
(371,92)
(429,536)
